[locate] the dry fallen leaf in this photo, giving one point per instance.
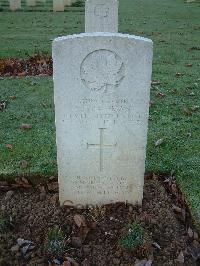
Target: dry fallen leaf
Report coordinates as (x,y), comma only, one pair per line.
(187,110)
(13,97)
(53,186)
(23,164)
(190,232)
(84,230)
(72,261)
(180,258)
(66,263)
(177,209)
(22,182)
(9,146)
(26,126)
(80,220)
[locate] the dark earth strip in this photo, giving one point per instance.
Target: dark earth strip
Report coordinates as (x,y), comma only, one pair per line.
(169,237)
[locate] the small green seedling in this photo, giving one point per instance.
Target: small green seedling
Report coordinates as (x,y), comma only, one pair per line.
(132,237)
(4,224)
(55,244)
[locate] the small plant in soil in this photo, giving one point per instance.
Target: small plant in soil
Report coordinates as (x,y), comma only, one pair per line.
(55,244)
(132,236)
(4,224)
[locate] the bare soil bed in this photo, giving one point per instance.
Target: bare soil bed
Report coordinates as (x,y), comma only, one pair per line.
(93,235)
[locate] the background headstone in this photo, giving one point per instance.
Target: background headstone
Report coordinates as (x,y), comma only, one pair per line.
(58,5)
(15,4)
(31,2)
(101,16)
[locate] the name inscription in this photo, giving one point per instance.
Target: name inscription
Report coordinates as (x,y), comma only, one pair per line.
(104,110)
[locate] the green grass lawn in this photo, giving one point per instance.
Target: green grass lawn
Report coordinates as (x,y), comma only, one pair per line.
(174,27)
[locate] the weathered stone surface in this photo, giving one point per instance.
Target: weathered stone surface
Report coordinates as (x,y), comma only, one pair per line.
(101,92)
(31,2)
(101,16)
(58,5)
(15,4)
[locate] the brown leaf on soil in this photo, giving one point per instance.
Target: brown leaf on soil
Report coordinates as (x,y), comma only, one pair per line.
(72,261)
(66,263)
(9,146)
(80,220)
(177,209)
(13,97)
(159,142)
(181,258)
(53,186)
(187,110)
(23,164)
(22,74)
(84,230)
(190,232)
(154,177)
(54,199)
(22,182)
(26,126)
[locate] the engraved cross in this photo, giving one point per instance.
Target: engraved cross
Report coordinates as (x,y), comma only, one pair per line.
(101,147)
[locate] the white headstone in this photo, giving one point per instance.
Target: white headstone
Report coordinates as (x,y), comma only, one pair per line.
(101,16)
(58,5)
(31,2)
(69,2)
(15,4)
(101,95)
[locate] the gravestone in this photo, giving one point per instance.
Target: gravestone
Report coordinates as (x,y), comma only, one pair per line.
(15,4)
(101,95)
(58,5)
(67,2)
(31,2)
(101,16)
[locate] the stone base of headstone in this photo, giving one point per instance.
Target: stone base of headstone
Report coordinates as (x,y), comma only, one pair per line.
(15,4)
(58,5)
